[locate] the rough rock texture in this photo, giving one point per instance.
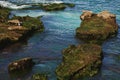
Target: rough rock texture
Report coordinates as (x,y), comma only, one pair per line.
(20,65)
(56,6)
(86,14)
(10,33)
(79,61)
(39,77)
(106,15)
(98,27)
(4,13)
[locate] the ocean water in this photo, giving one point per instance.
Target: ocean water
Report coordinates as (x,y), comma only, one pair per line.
(59,33)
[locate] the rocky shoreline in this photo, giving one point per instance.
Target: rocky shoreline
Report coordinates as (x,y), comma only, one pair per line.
(80,61)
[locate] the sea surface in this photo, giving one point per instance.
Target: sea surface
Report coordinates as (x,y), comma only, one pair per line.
(46,47)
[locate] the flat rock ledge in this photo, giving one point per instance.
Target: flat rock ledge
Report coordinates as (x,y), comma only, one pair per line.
(96,28)
(55,6)
(79,61)
(21,65)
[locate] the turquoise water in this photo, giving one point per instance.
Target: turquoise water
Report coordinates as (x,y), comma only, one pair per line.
(59,32)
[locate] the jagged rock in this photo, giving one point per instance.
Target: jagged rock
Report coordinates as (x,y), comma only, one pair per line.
(20,65)
(97,28)
(79,61)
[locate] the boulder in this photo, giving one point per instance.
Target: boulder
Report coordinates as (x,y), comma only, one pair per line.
(21,65)
(79,61)
(97,28)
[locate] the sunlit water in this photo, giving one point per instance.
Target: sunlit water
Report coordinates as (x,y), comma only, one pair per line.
(59,32)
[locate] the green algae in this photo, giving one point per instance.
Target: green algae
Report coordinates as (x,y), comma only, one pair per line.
(96,30)
(79,61)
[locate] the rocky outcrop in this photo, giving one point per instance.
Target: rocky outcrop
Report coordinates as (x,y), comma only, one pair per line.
(11,33)
(55,6)
(79,61)
(39,77)
(95,28)
(20,65)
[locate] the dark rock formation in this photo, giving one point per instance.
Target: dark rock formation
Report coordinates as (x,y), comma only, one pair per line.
(39,77)
(21,65)
(11,33)
(79,61)
(95,28)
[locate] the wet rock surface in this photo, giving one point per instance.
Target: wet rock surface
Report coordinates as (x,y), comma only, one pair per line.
(96,28)
(21,65)
(79,61)
(18,28)
(55,6)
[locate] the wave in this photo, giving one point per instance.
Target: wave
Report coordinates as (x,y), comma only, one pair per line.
(7,4)
(35,1)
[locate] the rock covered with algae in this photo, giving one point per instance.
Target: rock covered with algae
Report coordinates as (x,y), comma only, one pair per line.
(96,28)
(79,61)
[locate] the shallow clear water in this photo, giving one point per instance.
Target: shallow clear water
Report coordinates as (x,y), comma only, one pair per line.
(59,32)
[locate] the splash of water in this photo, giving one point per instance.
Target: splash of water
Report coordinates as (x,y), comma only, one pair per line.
(36,1)
(12,6)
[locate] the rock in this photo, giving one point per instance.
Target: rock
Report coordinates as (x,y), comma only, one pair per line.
(30,23)
(16,28)
(4,13)
(97,28)
(55,6)
(21,65)
(106,15)
(79,61)
(39,77)
(86,14)
(70,5)
(11,32)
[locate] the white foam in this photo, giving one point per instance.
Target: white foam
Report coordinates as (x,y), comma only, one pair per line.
(12,6)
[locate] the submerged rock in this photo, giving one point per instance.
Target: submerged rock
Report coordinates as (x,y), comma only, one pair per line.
(79,61)
(39,77)
(56,6)
(21,65)
(95,28)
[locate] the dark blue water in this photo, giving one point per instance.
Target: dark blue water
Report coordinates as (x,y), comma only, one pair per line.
(59,32)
